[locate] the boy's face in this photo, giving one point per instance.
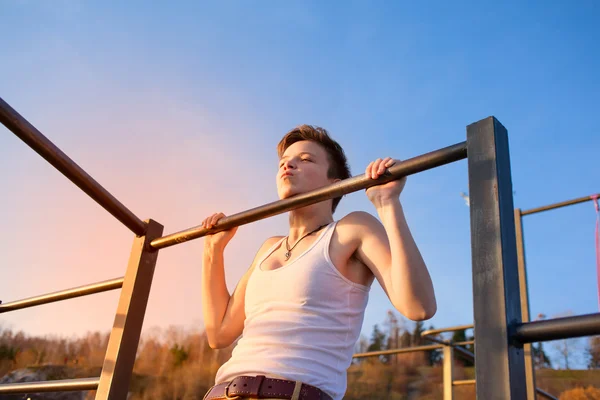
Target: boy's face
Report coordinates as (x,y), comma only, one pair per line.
(302,168)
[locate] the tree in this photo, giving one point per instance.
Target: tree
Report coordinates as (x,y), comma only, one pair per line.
(461,336)
(433,357)
(569,349)
(179,355)
(378,342)
(540,358)
(417,340)
(593,351)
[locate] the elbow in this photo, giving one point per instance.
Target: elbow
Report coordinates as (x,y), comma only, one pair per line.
(216,344)
(213,340)
(213,344)
(422,315)
(419,312)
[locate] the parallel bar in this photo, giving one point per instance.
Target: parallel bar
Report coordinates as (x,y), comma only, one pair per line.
(546,395)
(464,382)
(448,373)
(444,330)
(465,343)
(72,293)
(50,386)
(524,293)
(44,147)
(472,382)
(125,335)
(558,328)
(558,205)
(465,353)
(397,351)
(411,166)
(457,346)
(499,365)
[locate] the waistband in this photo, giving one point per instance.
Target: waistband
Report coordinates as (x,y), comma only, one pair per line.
(262,387)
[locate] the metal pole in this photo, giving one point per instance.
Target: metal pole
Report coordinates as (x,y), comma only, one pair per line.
(464,382)
(125,334)
(448,372)
(499,365)
(558,328)
(97,287)
(429,332)
(397,351)
(360,182)
(44,147)
(50,386)
(524,293)
(557,205)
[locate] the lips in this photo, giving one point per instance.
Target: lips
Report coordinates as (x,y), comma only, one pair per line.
(286,174)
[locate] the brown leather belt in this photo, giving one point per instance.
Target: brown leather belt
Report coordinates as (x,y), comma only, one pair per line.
(263,388)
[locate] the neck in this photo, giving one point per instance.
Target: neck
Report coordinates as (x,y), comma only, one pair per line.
(304,220)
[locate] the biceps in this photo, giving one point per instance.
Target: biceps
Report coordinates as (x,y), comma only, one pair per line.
(374,249)
(233,320)
(374,252)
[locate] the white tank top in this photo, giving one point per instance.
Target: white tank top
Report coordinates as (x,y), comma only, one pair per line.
(302,321)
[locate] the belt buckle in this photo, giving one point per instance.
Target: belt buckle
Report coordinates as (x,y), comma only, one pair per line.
(227,397)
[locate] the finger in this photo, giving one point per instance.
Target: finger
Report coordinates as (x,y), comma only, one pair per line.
(390,161)
(383,165)
(214,219)
(375,168)
(368,169)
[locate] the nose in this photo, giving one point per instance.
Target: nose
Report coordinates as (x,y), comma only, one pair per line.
(289,164)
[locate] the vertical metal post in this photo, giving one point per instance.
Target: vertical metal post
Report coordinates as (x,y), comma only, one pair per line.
(523,287)
(448,372)
(125,334)
(499,365)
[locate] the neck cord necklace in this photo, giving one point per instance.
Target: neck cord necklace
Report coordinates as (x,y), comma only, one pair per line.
(288,253)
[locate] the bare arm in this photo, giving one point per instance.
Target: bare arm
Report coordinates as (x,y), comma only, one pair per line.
(223,313)
(389,250)
(391,253)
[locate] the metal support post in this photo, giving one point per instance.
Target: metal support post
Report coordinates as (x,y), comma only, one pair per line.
(125,335)
(500,364)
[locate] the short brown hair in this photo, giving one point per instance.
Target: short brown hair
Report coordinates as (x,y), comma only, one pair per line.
(338,164)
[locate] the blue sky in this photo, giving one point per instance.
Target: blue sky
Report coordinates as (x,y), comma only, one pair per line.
(176,109)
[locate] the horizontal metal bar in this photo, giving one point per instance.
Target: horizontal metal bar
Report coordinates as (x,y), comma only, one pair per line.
(545,394)
(44,147)
(50,386)
(407,167)
(465,343)
(464,382)
(444,330)
(398,351)
(558,328)
(72,293)
(557,205)
(472,382)
(464,353)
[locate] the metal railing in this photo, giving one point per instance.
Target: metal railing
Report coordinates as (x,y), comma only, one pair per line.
(523,286)
(497,307)
(449,348)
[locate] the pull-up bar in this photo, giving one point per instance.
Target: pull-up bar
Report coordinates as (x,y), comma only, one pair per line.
(45,148)
(558,205)
(408,167)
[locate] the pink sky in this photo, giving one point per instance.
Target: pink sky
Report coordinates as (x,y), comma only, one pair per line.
(160,161)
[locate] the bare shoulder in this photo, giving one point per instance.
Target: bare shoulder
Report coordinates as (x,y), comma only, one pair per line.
(360,219)
(266,245)
(357,224)
(271,241)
